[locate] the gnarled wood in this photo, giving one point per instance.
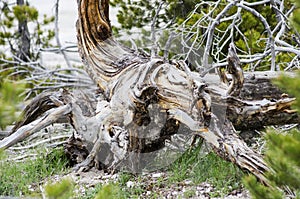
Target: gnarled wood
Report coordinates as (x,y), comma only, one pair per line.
(147,100)
(104,57)
(182,95)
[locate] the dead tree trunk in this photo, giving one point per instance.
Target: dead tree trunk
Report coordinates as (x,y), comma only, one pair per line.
(24,37)
(147,101)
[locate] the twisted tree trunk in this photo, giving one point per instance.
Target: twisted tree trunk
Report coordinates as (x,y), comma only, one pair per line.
(145,102)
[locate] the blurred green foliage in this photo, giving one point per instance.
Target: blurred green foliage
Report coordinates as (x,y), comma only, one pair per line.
(296,15)
(60,190)
(283,157)
(109,191)
(24,13)
(292,86)
(138,14)
(10,99)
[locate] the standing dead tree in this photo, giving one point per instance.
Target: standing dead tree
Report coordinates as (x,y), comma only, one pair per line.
(144,101)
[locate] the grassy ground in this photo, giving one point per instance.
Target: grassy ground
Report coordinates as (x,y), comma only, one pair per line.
(222,176)
(20,178)
(189,171)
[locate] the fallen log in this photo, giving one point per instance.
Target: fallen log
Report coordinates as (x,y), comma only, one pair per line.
(146,101)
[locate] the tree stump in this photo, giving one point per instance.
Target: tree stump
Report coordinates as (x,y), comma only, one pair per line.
(146,102)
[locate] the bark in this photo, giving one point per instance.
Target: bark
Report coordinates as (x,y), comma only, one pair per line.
(146,101)
(24,40)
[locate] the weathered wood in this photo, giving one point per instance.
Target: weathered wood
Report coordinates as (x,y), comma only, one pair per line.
(49,117)
(257,114)
(86,120)
(38,106)
(145,101)
(184,96)
(234,68)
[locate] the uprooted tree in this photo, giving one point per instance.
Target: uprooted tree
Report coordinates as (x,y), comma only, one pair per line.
(144,101)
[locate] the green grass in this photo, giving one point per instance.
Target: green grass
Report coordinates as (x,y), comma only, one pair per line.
(15,177)
(192,166)
(91,193)
(135,191)
(222,175)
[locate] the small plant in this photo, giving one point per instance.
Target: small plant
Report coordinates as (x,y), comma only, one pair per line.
(60,190)
(109,191)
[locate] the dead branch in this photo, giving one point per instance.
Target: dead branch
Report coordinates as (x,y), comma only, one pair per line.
(216,41)
(153,32)
(50,117)
(47,78)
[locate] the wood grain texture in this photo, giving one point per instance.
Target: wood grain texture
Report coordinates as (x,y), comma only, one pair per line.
(145,101)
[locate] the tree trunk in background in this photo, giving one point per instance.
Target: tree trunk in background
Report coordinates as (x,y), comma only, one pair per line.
(23,51)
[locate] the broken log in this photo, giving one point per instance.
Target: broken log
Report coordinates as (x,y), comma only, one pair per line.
(146,101)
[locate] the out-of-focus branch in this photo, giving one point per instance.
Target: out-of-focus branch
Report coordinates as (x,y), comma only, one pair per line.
(211,29)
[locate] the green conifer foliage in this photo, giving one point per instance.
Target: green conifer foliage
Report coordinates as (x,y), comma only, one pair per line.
(291,86)
(296,16)
(282,154)
(60,190)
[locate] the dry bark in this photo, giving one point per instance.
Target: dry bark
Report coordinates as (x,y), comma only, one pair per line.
(23,52)
(144,101)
